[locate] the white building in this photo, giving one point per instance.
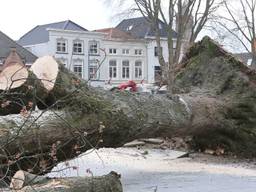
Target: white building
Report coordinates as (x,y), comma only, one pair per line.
(113,55)
(139,28)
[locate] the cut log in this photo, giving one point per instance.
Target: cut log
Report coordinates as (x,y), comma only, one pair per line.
(13,76)
(46,69)
(23,178)
(19,90)
(24,181)
(215,104)
(45,85)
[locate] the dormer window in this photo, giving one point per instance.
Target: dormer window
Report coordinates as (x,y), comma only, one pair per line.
(160,26)
(62,46)
(78,47)
(129,28)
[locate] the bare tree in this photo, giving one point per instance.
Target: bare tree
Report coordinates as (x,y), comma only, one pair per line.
(240,23)
(189,17)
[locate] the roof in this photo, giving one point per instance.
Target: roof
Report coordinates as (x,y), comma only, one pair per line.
(7,44)
(113,33)
(244,57)
(39,34)
(140,28)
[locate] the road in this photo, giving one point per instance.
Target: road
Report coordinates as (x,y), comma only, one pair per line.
(154,170)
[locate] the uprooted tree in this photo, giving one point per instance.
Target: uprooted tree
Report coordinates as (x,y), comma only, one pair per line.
(215,104)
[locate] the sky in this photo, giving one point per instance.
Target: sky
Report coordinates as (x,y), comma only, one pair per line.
(19,16)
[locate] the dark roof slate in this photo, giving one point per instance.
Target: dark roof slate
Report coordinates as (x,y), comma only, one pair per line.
(140,28)
(39,34)
(6,44)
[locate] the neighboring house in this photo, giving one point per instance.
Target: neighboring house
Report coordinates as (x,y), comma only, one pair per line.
(140,28)
(112,55)
(84,52)
(245,57)
(77,48)
(7,45)
(126,57)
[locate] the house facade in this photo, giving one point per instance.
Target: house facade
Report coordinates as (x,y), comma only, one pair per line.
(140,28)
(113,55)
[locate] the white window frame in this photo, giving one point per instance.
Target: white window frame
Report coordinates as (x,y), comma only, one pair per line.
(138,69)
(81,74)
(126,69)
(76,47)
(93,64)
(95,49)
(61,44)
(112,51)
(138,52)
(126,51)
(112,69)
(249,62)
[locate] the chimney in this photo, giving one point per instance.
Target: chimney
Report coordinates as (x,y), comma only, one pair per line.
(12,58)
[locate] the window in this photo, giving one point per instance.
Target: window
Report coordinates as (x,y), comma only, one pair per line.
(138,70)
(156,50)
(138,52)
(125,69)
(129,28)
(125,51)
(78,47)
(78,67)
(62,46)
(160,26)
(93,68)
(249,62)
(93,47)
(112,51)
(112,69)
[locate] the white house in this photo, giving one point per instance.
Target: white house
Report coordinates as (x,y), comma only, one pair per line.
(113,55)
(103,56)
(139,28)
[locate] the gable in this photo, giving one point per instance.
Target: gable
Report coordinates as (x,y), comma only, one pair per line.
(6,44)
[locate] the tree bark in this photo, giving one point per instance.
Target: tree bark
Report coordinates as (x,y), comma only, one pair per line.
(216,104)
(28,182)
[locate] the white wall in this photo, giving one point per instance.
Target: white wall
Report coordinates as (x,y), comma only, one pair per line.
(131,57)
(152,59)
(39,49)
(148,58)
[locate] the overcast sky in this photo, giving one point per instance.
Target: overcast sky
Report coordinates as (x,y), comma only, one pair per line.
(19,16)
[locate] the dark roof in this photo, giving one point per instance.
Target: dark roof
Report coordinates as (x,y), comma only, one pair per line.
(39,34)
(244,57)
(6,45)
(141,28)
(113,33)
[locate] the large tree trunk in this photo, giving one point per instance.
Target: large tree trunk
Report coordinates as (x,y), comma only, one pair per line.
(216,104)
(26,182)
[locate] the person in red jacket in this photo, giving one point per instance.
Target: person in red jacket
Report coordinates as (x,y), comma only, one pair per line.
(130,84)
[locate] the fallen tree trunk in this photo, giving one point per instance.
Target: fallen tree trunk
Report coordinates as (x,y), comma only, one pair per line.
(24,181)
(215,103)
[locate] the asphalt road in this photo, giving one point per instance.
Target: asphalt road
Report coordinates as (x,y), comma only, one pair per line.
(161,171)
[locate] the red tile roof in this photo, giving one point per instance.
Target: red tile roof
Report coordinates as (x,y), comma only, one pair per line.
(113,33)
